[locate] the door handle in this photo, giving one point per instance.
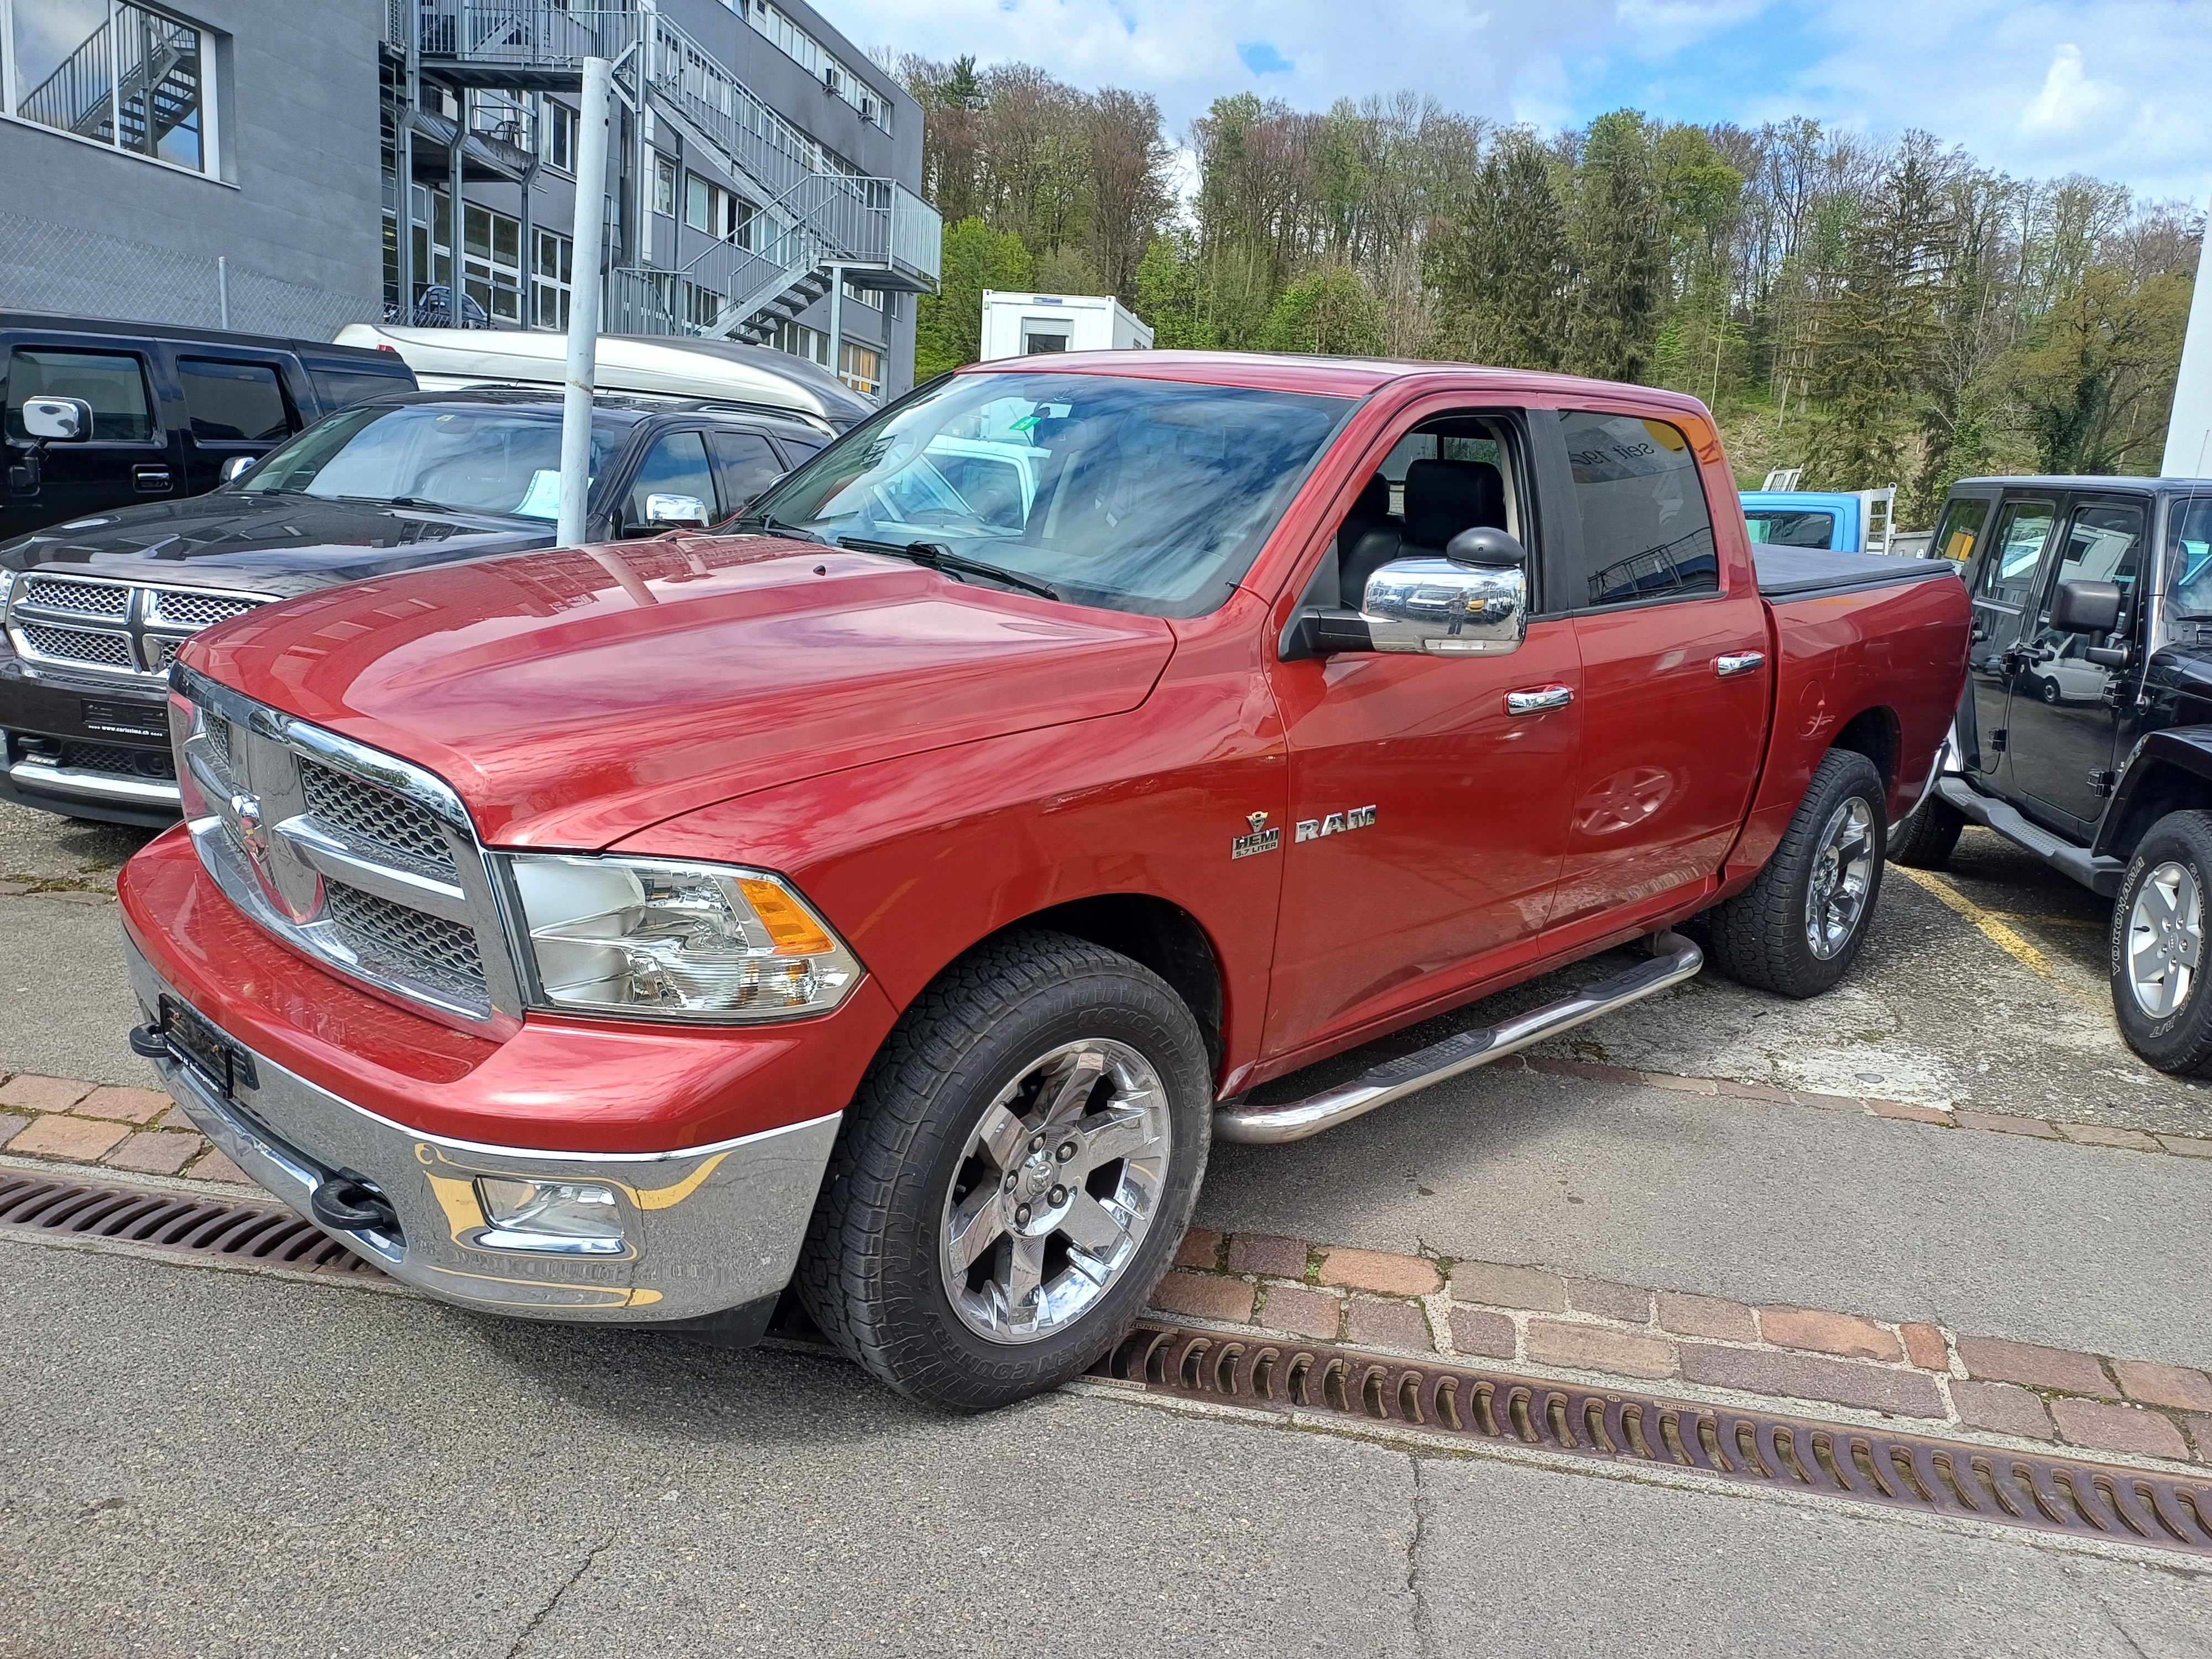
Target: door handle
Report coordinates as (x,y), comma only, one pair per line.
(1539,700)
(1730,664)
(150,479)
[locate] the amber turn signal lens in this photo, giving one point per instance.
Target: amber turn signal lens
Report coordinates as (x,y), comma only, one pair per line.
(795,932)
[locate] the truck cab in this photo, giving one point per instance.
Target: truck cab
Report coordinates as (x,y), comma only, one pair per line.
(2085,735)
(1845,521)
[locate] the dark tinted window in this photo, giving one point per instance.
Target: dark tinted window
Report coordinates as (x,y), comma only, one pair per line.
(479,458)
(340,388)
(1646,531)
(1961,528)
(2103,544)
(2009,572)
(244,401)
(113,383)
(2188,554)
(744,463)
(1770,528)
(676,466)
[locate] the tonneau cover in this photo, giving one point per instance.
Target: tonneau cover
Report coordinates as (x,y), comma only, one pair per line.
(1792,573)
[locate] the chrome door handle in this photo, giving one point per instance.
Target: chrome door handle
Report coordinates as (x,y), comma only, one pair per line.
(1539,700)
(1737,662)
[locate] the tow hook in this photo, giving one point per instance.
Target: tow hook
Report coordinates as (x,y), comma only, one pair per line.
(346,1202)
(148,1043)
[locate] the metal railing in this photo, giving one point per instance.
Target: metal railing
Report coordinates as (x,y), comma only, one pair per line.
(517,33)
(79,96)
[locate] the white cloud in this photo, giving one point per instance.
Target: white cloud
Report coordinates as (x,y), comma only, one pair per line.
(2110,86)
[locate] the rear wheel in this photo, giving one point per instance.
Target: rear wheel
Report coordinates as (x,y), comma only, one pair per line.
(1926,839)
(2159,997)
(1014,1175)
(1796,930)
(2048,691)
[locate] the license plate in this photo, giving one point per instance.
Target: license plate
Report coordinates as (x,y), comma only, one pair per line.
(123,720)
(217,1060)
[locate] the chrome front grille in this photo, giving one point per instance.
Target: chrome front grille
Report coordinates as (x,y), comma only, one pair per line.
(402,943)
(351,855)
(111,627)
(375,814)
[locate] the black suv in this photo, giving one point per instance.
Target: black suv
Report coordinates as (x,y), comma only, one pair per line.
(2085,733)
(95,608)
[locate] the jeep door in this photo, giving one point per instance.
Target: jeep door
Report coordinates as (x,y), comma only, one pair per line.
(2063,721)
(1428,818)
(2007,581)
(131,458)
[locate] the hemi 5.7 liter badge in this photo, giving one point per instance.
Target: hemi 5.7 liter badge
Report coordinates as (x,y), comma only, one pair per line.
(1259,840)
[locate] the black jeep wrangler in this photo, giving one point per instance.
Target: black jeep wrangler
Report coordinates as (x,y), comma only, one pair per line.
(2085,733)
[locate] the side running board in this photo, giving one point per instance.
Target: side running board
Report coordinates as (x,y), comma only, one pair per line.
(1266,1126)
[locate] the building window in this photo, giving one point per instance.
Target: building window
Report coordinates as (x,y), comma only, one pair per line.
(702,306)
(491,262)
(801,341)
(115,73)
(556,135)
(803,49)
(861,367)
(708,207)
(552,279)
(871,297)
(663,186)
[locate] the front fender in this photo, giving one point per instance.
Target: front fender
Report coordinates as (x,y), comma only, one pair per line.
(2159,762)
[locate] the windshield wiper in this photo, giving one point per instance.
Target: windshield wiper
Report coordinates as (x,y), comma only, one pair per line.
(935,555)
(768,521)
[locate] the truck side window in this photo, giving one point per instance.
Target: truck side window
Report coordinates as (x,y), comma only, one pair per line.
(2188,554)
(237,402)
(1647,533)
(744,463)
(1961,528)
(2009,573)
(2105,545)
(677,465)
(113,383)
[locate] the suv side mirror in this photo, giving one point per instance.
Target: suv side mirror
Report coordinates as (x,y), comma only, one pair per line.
(1482,545)
(1448,609)
(237,467)
(58,420)
(676,512)
(2085,607)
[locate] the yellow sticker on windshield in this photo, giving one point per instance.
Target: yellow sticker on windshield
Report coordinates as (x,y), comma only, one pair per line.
(1666,436)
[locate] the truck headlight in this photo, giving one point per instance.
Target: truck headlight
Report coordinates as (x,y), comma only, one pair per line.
(679,940)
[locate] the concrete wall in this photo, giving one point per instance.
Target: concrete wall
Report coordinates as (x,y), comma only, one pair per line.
(295,209)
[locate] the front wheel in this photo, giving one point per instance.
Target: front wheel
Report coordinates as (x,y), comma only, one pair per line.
(2048,691)
(2158,946)
(1014,1174)
(1796,930)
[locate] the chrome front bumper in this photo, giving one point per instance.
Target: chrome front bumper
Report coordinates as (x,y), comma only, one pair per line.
(705,1230)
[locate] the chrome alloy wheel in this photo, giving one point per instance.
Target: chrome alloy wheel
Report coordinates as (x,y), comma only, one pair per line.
(1842,875)
(2165,938)
(1056,1189)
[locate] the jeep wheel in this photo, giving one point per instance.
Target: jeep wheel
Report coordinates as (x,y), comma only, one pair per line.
(2158,946)
(1014,1175)
(1796,930)
(1926,838)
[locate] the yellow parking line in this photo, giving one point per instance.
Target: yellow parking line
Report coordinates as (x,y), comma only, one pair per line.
(1992,929)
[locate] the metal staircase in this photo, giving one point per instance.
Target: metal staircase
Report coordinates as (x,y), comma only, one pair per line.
(812,220)
(158,91)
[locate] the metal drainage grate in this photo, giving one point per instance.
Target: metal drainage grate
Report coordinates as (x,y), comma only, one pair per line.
(171,1221)
(1982,1483)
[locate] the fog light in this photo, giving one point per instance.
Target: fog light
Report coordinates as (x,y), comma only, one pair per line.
(563,1217)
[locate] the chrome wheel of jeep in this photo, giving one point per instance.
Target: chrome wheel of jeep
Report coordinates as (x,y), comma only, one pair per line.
(2165,938)
(1843,874)
(1057,1187)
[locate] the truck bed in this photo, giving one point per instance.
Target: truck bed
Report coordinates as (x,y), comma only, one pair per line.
(1797,572)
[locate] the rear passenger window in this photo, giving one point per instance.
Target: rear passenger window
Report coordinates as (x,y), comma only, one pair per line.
(234,401)
(1961,529)
(1647,533)
(112,382)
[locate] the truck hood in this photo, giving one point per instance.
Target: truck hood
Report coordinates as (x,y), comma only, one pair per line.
(575,696)
(268,543)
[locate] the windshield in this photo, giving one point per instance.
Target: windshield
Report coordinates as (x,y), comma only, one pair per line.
(472,457)
(2189,555)
(1145,495)
(1776,528)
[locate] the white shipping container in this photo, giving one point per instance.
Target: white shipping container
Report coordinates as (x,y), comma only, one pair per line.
(1027,325)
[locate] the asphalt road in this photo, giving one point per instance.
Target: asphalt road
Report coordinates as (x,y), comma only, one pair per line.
(214,1464)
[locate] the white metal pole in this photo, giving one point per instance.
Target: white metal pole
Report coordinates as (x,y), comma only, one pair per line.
(2188,429)
(584,302)
(838,321)
(222,287)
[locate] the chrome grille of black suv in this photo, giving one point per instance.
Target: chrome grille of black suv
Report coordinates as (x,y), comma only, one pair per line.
(114,627)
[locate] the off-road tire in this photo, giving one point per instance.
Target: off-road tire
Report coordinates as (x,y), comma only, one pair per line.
(2181,1042)
(1758,937)
(1926,840)
(869,1274)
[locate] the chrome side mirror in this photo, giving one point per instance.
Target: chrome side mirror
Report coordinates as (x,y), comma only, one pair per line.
(58,420)
(1448,609)
(237,467)
(677,511)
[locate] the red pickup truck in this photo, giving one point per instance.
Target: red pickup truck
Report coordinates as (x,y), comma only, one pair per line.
(891,895)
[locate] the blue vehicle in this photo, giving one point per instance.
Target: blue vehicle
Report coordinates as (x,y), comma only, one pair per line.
(1847,522)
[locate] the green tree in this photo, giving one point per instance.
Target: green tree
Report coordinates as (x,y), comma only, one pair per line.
(1505,267)
(1619,252)
(2097,380)
(1330,312)
(948,327)
(1170,295)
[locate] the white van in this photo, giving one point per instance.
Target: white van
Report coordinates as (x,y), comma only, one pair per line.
(650,365)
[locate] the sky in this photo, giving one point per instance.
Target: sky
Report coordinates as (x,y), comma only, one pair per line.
(2120,88)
